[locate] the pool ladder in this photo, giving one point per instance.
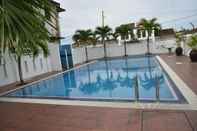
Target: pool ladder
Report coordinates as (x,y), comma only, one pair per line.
(137,88)
(157,89)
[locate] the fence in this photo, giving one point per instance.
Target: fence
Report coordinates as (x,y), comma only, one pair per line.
(117,50)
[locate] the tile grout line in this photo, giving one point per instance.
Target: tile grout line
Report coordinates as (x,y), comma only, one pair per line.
(142,124)
(188,120)
(182,86)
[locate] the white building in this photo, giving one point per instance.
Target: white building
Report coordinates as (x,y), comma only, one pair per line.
(138,34)
(41,65)
(187,35)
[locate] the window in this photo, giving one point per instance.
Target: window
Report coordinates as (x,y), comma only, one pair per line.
(138,34)
(26,66)
(144,33)
(41,64)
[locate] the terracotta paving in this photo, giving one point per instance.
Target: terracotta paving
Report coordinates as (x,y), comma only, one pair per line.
(37,117)
(186,70)
(166,121)
(34,117)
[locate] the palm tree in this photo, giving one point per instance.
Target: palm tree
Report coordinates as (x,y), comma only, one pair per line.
(115,36)
(94,39)
(22,28)
(75,38)
(83,37)
(104,33)
(124,31)
(149,26)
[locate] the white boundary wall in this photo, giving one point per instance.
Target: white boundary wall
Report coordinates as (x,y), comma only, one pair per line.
(30,67)
(115,50)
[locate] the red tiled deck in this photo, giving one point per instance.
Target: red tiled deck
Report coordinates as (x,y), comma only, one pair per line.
(33,117)
(36,117)
(187,70)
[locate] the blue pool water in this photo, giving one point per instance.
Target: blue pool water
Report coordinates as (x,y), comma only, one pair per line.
(130,79)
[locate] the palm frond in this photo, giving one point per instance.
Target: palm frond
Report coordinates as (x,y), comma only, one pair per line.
(22,26)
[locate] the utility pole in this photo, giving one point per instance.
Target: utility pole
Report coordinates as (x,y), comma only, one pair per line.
(193,27)
(103,19)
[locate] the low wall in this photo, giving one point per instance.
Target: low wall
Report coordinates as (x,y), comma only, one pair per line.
(115,50)
(30,67)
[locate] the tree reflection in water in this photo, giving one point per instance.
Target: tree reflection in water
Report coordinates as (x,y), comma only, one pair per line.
(151,82)
(109,83)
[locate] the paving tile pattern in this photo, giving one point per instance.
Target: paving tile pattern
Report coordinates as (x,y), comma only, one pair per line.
(35,117)
(186,70)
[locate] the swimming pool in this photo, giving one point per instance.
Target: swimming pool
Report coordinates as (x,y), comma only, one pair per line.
(118,79)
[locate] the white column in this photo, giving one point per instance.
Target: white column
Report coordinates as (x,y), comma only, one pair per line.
(67,64)
(153,36)
(141,33)
(146,34)
(129,37)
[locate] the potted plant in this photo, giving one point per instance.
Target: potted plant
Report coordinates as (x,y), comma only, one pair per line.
(179,49)
(192,43)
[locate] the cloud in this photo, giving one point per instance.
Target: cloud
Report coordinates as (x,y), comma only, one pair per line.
(83,14)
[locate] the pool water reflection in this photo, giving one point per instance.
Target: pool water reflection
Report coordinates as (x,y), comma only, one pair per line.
(130,79)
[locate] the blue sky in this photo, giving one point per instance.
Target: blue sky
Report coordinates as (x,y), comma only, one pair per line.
(84,14)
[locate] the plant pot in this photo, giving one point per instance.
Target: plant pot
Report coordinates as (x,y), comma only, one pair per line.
(179,51)
(193,55)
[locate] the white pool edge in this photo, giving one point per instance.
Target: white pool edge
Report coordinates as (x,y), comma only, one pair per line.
(189,95)
(129,105)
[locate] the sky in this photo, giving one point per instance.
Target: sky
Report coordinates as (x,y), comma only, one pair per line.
(85,14)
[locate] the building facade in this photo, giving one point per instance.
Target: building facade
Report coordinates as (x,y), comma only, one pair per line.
(138,34)
(38,66)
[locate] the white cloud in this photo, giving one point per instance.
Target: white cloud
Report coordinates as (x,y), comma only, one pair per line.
(82,14)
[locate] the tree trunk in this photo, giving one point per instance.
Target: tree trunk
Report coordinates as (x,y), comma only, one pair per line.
(89,75)
(86,51)
(148,45)
(20,70)
(125,48)
(105,50)
(149,67)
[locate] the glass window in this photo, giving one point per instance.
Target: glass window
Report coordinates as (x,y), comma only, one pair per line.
(138,34)
(144,33)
